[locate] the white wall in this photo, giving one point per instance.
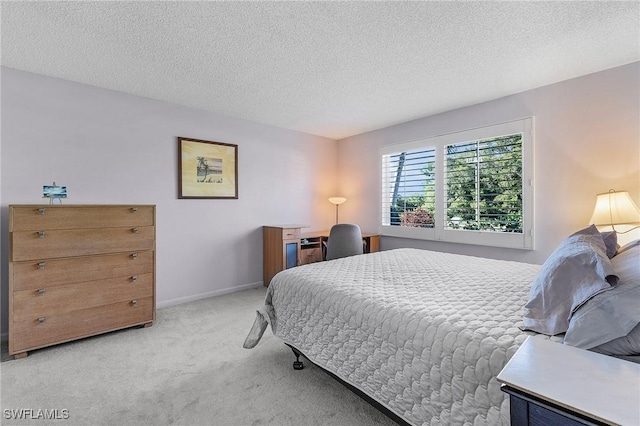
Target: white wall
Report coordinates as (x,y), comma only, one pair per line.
(109,147)
(587,141)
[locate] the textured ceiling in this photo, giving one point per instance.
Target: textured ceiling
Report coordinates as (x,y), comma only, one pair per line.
(327,68)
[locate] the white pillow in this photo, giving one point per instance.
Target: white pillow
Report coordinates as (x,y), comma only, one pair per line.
(576,271)
(613,314)
(627,246)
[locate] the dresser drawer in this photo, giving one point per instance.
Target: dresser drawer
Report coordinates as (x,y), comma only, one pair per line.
(34,217)
(37,274)
(32,334)
(28,245)
(63,299)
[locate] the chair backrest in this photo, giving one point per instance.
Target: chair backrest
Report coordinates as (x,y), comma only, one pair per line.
(345,239)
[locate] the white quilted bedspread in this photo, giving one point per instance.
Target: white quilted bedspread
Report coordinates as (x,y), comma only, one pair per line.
(422,332)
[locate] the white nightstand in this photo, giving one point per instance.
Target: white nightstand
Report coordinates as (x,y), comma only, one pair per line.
(554,384)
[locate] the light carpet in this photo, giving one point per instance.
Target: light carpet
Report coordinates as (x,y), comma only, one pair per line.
(189,368)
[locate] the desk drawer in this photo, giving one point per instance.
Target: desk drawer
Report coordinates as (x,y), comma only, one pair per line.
(310,255)
(290,233)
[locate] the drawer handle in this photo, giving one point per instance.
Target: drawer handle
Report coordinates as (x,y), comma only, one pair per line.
(134,278)
(40,320)
(40,234)
(135,230)
(134,302)
(41,211)
(134,256)
(134,210)
(41,291)
(40,265)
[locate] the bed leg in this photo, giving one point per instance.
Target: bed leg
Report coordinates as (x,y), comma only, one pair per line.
(297,364)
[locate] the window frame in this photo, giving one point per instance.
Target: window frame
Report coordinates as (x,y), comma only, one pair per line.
(439,232)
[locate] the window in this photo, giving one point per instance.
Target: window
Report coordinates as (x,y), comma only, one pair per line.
(483,184)
(410,176)
(471,187)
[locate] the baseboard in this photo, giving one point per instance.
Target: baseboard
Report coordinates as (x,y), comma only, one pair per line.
(214,293)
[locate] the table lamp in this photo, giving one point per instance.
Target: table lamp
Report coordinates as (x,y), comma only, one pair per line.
(615,208)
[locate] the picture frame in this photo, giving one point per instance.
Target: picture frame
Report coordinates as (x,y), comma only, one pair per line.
(54,191)
(207,169)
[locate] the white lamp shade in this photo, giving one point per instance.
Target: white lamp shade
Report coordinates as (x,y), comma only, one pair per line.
(615,208)
(337,200)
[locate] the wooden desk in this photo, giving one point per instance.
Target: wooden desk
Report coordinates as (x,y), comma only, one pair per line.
(285,246)
(312,241)
(552,383)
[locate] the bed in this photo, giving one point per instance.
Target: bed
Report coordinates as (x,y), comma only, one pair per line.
(421,333)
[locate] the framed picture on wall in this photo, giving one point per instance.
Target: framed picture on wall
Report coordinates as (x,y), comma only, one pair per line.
(207,169)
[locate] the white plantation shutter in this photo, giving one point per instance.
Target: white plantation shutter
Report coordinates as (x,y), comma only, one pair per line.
(407,174)
(474,187)
(483,184)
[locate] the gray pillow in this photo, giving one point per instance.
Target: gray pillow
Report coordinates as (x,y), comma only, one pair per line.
(610,242)
(625,345)
(576,271)
(613,314)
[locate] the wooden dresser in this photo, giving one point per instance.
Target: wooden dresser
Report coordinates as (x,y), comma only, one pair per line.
(78,270)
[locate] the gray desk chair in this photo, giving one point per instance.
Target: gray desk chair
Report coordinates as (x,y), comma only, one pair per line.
(345,239)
